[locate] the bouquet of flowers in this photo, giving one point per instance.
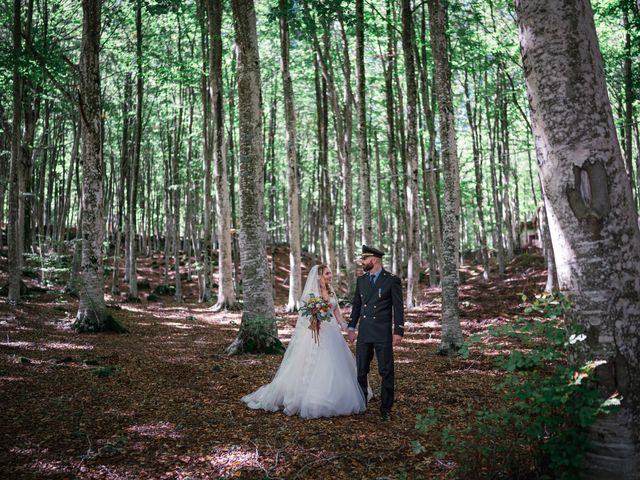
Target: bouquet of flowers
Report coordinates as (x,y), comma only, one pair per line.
(319,310)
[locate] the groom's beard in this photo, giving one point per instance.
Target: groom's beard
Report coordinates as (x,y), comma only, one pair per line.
(367,267)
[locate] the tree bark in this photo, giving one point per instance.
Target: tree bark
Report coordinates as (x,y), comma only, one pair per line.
(15,233)
(593,222)
(135,161)
(226,289)
(204,273)
(258,331)
(123,176)
(477,168)
(413,227)
(295,273)
(389,69)
(91,316)
(451,331)
(361,112)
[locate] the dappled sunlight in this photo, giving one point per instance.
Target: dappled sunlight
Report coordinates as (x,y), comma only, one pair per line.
(65,346)
(50,467)
(229,460)
(405,360)
(157,431)
(410,340)
(14,379)
(177,325)
(19,344)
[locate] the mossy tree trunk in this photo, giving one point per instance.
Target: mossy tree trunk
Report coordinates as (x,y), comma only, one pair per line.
(258,332)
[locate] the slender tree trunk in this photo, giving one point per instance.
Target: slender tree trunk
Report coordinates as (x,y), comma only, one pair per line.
(413,227)
(361,111)
(124,166)
(389,68)
(629,96)
(430,170)
(477,168)
(226,289)
(451,331)
(295,273)
(497,205)
(207,147)
(593,222)
(135,161)
(326,193)
(15,233)
(258,331)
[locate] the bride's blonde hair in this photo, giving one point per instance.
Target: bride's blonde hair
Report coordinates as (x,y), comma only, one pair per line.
(321,269)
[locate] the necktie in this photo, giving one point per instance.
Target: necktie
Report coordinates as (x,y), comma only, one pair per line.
(373,279)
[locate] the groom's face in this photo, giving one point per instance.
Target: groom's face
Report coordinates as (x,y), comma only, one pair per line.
(368,263)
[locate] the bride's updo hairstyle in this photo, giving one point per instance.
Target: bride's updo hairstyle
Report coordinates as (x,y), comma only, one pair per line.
(321,269)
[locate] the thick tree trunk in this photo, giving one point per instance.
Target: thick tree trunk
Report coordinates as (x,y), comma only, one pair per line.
(593,222)
(15,233)
(413,227)
(295,273)
(258,331)
(451,331)
(92,315)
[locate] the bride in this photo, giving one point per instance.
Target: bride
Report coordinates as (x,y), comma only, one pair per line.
(314,379)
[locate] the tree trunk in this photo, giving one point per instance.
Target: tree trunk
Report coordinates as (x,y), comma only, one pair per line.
(258,331)
(593,222)
(413,227)
(451,332)
(295,274)
(124,166)
(135,161)
(361,112)
(389,68)
(477,167)
(15,233)
(92,315)
(430,170)
(226,289)
(204,274)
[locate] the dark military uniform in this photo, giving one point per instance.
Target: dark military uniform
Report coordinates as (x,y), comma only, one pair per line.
(379,313)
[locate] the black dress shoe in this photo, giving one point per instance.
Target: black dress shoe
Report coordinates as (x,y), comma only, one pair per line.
(385,416)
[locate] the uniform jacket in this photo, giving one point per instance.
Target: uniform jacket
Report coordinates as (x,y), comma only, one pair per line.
(378,310)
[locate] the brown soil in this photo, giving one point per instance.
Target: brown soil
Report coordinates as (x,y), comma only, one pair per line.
(168,405)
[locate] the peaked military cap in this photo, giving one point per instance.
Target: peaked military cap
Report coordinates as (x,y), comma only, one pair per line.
(371,252)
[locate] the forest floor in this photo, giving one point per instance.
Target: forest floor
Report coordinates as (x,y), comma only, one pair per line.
(163,401)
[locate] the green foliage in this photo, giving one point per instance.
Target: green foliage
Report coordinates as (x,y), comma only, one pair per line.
(548,405)
(52,267)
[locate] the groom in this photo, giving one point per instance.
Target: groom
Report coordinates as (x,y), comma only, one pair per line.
(378,307)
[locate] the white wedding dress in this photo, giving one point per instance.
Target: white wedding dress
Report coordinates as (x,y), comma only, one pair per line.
(314,379)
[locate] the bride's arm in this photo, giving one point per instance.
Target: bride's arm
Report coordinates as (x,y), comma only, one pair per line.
(338,313)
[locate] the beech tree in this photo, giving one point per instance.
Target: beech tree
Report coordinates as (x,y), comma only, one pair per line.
(295,274)
(91,314)
(258,331)
(451,332)
(591,214)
